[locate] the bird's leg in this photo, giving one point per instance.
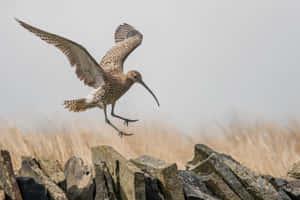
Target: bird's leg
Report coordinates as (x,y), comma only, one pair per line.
(126,121)
(121,133)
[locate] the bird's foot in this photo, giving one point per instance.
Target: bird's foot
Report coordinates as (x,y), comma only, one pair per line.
(121,134)
(126,121)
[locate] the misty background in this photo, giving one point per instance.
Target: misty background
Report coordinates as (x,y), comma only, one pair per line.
(205,60)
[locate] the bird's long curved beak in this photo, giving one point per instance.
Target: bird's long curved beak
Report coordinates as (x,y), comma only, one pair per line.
(144,84)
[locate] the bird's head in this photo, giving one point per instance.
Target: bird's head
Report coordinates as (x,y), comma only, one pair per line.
(136,77)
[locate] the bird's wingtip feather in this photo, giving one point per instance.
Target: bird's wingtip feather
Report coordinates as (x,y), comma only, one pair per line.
(17,19)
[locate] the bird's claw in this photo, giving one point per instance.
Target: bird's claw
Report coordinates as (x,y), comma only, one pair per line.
(126,121)
(121,134)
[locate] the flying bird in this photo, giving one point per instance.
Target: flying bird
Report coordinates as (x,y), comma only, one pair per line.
(107,78)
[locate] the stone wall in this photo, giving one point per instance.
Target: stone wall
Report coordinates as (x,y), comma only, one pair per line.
(209,176)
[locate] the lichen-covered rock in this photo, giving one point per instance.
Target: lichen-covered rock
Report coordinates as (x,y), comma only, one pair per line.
(254,183)
(166,173)
(279,184)
(31,168)
(293,189)
(290,188)
(79,180)
(201,152)
(218,187)
(233,172)
(104,183)
(294,171)
(213,165)
(128,179)
(7,178)
(194,188)
(31,190)
(53,170)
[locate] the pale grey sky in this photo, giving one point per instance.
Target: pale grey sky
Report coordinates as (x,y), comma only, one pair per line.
(203,59)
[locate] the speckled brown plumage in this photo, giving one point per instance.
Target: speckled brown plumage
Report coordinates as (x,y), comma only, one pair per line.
(107,78)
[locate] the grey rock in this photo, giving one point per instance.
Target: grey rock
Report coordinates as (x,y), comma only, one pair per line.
(104,183)
(294,171)
(201,152)
(213,164)
(288,187)
(259,187)
(128,180)
(8,181)
(218,187)
(276,182)
(31,190)
(224,165)
(293,189)
(279,184)
(31,168)
(79,180)
(284,195)
(166,173)
(194,188)
(53,170)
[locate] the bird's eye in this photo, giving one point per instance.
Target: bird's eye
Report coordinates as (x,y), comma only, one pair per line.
(135,76)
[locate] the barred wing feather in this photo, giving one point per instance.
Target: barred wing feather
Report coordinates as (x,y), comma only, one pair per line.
(87,69)
(127,38)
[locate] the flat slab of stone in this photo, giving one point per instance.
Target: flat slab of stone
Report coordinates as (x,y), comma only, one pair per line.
(7,178)
(259,187)
(53,170)
(104,183)
(194,188)
(30,168)
(280,185)
(293,189)
(79,180)
(201,152)
(219,188)
(166,173)
(242,180)
(128,179)
(288,187)
(212,164)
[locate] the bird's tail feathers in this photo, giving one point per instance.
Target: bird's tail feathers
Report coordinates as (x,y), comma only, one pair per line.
(77,105)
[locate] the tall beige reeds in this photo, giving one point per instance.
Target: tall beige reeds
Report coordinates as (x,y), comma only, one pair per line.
(265,147)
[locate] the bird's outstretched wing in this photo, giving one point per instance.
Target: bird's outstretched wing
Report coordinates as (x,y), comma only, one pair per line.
(87,69)
(127,38)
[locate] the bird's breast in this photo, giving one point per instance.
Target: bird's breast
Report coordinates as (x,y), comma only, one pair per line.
(110,92)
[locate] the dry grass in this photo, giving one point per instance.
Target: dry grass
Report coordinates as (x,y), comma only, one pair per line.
(76,139)
(265,147)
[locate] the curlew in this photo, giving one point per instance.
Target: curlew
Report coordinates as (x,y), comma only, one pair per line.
(107,78)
